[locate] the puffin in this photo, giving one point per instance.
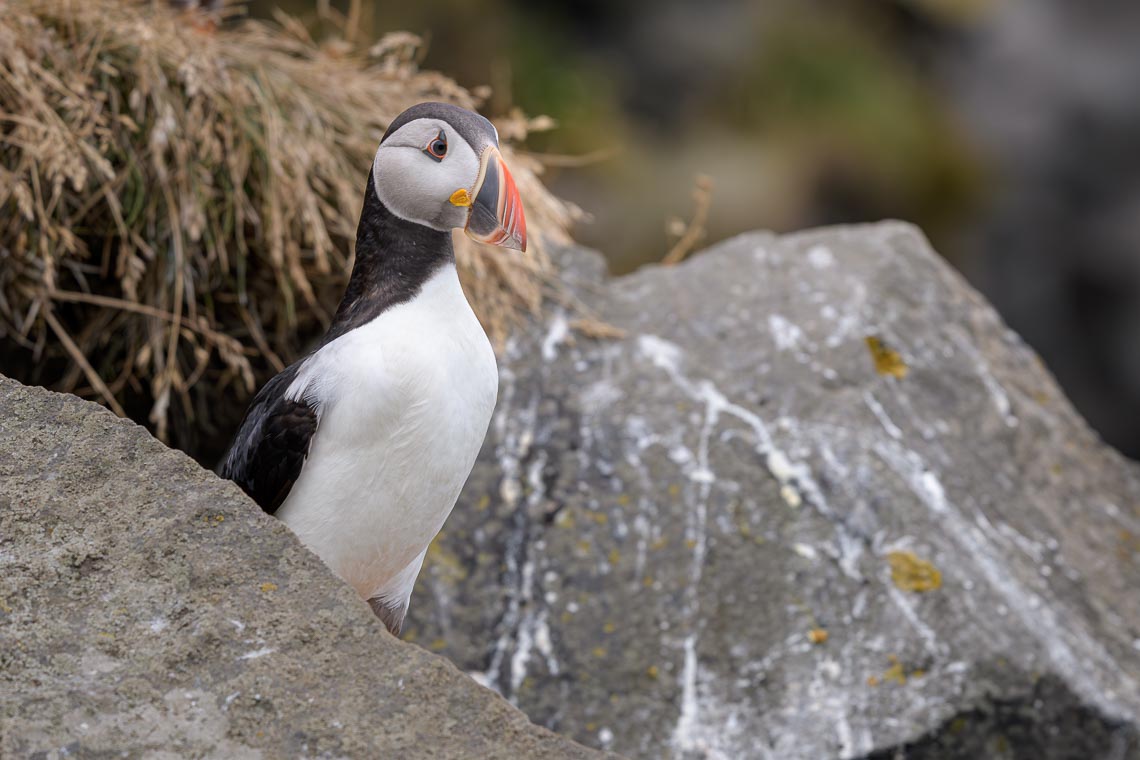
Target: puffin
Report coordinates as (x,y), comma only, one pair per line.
(362,446)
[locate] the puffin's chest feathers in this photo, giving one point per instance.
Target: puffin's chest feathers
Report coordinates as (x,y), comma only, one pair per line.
(420,370)
(403,404)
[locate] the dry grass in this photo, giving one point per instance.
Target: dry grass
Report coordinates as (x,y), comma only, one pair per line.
(178,206)
(689,235)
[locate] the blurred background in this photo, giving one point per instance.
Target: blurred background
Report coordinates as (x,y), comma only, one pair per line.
(1005,129)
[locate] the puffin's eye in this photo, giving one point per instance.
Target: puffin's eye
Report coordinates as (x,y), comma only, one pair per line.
(437,148)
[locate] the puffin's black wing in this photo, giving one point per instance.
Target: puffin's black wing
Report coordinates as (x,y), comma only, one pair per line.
(270,447)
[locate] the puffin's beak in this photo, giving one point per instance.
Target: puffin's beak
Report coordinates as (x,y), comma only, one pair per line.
(496,215)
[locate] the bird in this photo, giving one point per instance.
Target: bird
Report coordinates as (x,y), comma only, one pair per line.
(363,446)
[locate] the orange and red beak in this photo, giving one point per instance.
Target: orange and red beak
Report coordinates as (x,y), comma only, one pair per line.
(496,215)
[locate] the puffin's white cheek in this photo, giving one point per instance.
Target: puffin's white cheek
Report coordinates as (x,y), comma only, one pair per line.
(416,189)
(405,185)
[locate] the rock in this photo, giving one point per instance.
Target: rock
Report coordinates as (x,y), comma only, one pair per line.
(817,502)
(149,609)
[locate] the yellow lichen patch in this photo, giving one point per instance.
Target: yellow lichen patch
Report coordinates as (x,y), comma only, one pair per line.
(437,645)
(623,500)
(599,517)
(887,360)
(895,673)
(690,543)
(483,503)
(4,607)
(1127,546)
(910,573)
(615,556)
(674,489)
(659,543)
(609,628)
(817,635)
(584,545)
(219,518)
(652,672)
(647,581)
(599,651)
(267,587)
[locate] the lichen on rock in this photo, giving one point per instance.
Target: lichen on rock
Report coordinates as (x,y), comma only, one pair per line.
(910,573)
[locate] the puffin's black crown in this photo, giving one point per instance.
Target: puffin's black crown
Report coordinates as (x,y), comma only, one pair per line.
(476,130)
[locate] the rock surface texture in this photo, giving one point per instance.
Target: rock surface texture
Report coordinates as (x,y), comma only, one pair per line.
(149,609)
(744,530)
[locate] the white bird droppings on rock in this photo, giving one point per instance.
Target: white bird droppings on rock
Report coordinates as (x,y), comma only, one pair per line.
(557,334)
(785,334)
(805,551)
(820,257)
(257,653)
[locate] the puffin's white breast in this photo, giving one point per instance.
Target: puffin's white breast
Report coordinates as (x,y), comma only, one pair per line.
(403,407)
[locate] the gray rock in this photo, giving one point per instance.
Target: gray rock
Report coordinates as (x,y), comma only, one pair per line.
(148,609)
(658,523)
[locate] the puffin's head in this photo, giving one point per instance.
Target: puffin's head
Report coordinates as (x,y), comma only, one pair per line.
(439,165)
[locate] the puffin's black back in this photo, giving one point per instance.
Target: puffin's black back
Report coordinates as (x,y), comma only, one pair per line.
(271,444)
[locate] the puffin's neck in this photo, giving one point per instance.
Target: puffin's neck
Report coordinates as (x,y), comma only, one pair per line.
(394,258)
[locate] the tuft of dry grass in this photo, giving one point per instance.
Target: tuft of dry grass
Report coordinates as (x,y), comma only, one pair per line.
(690,234)
(178,204)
